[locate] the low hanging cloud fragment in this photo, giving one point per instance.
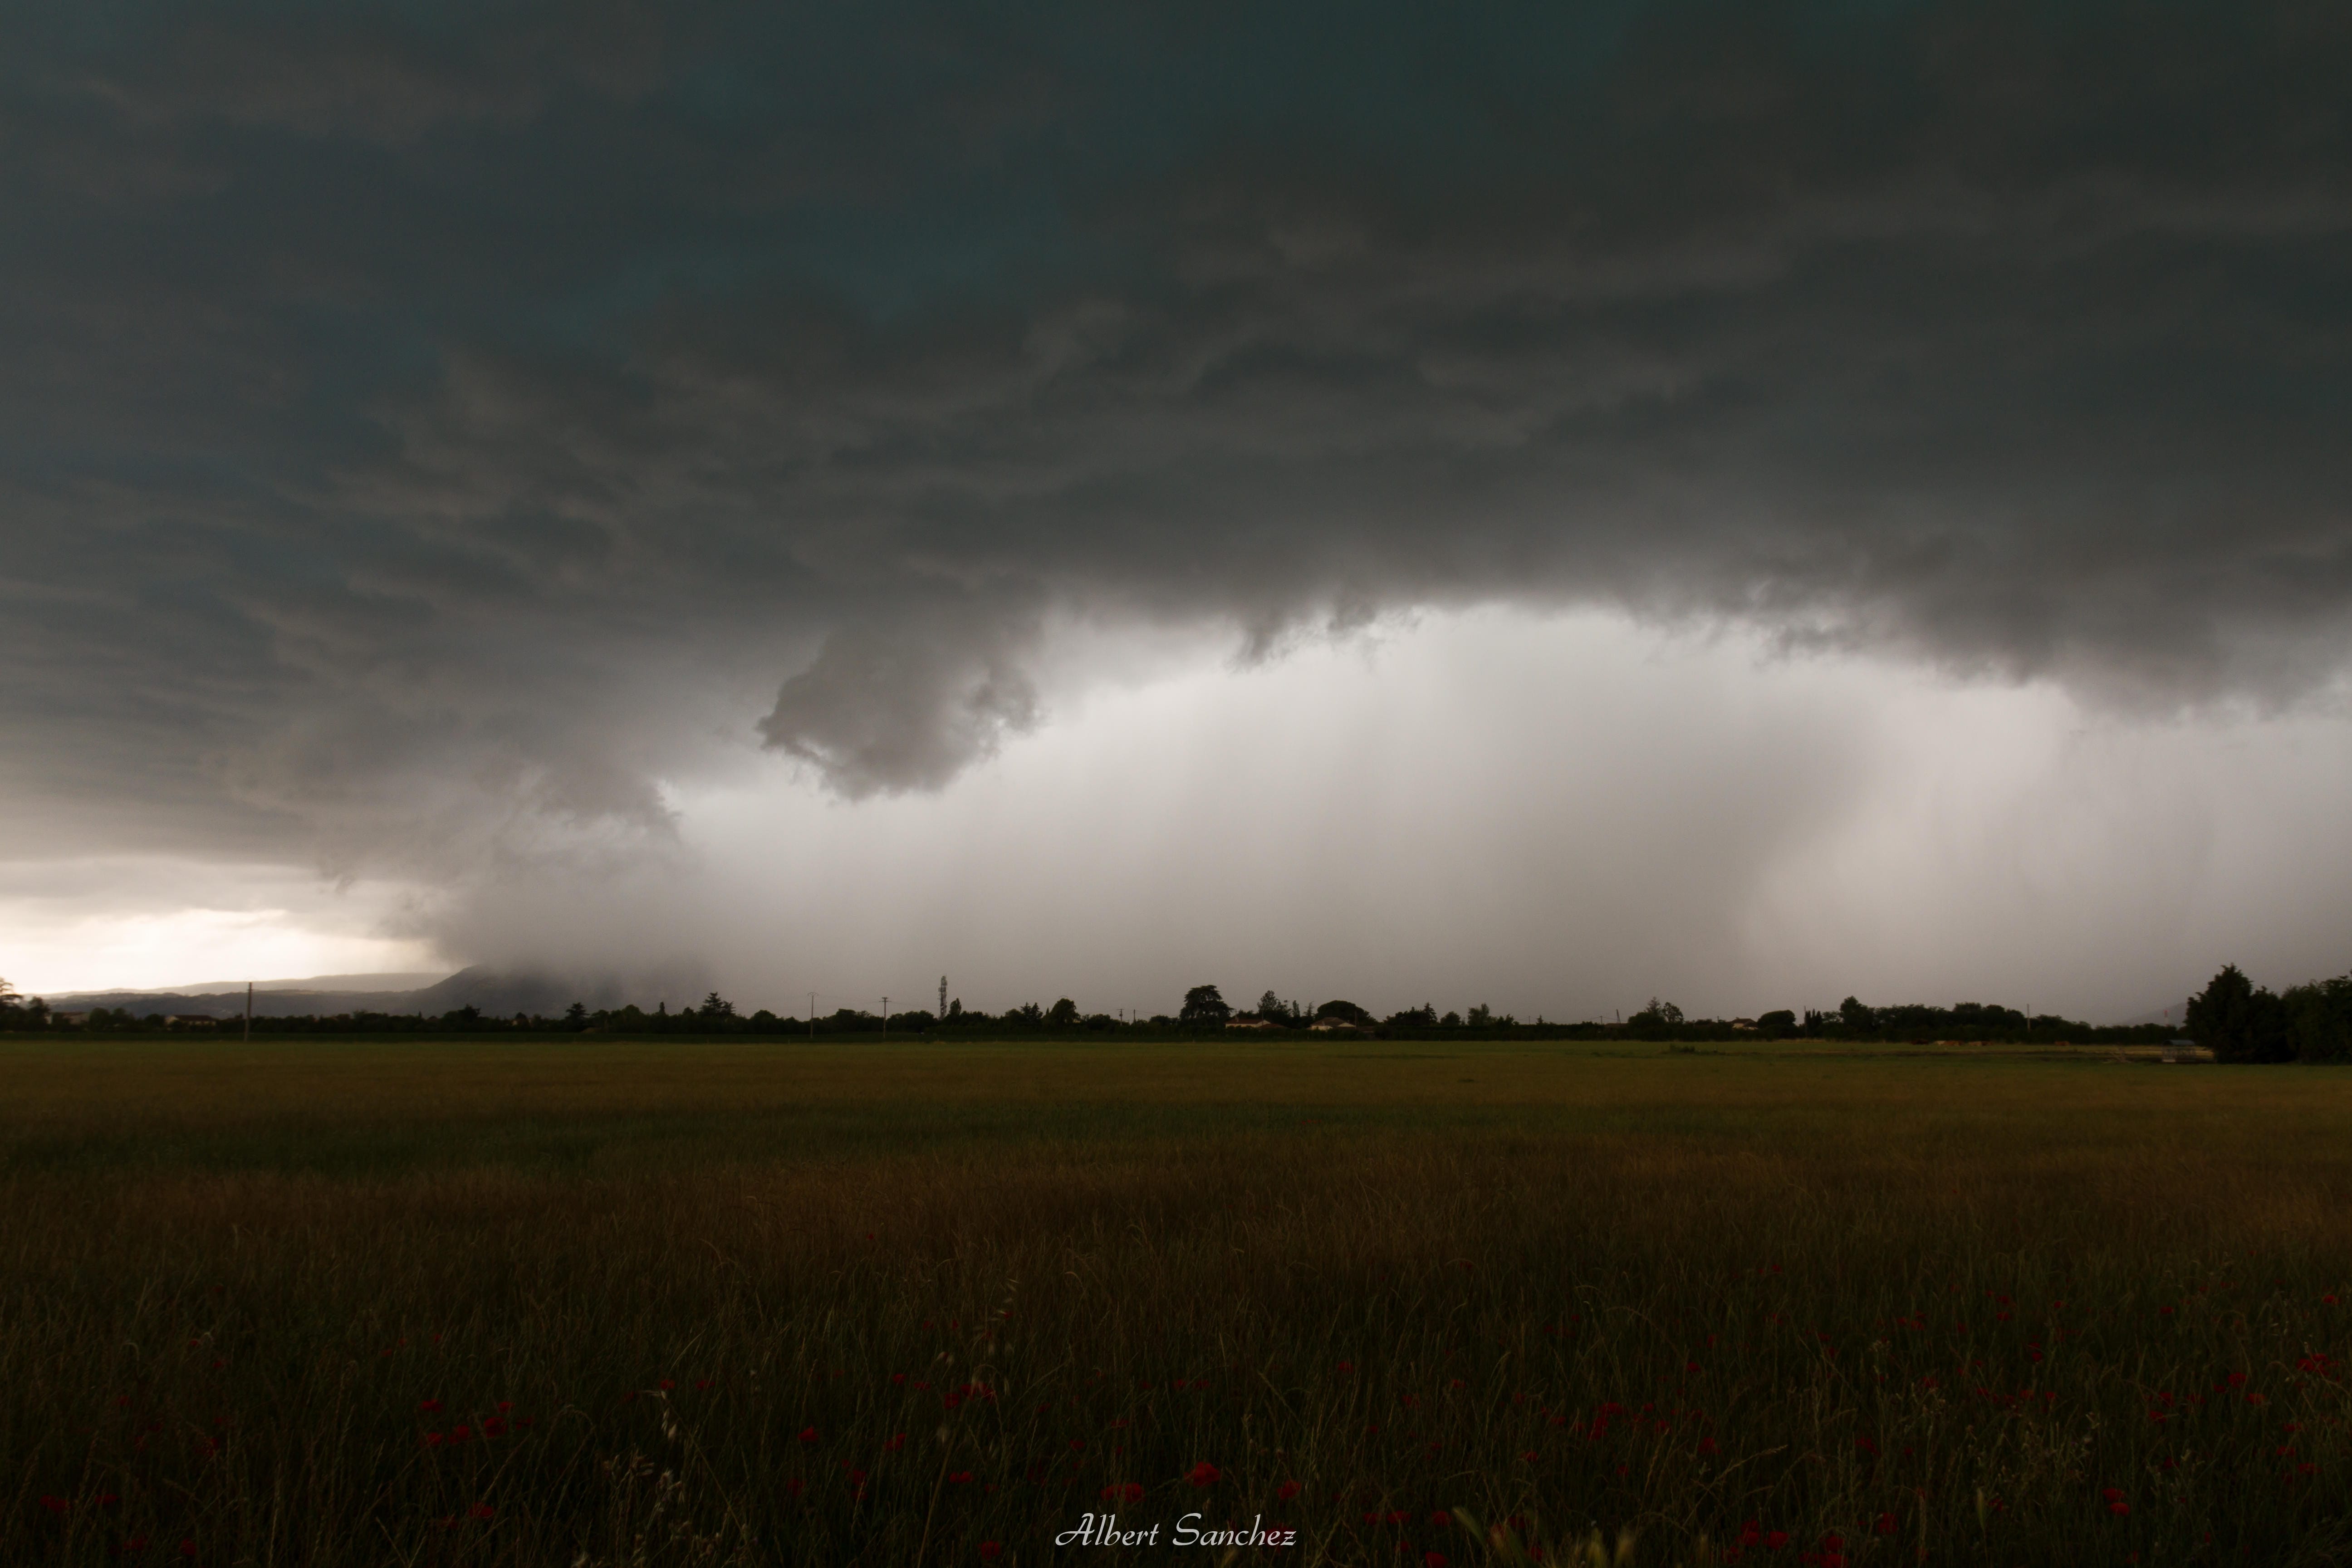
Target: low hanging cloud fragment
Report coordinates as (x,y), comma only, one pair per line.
(904,706)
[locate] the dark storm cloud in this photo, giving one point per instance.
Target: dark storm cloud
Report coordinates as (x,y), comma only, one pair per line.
(425,427)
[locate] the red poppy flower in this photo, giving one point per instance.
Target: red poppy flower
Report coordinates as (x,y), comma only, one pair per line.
(702,1383)
(898,1440)
(54,1504)
(1885,1525)
(1287,1490)
(990,1550)
(1775,1539)
(136,1544)
(481,1510)
(429,1407)
(808,1434)
(1203,1474)
(461,1433)
(959,1478)
(667,1384)
(1432,1560)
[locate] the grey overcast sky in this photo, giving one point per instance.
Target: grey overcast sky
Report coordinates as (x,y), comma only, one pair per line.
(1543,504)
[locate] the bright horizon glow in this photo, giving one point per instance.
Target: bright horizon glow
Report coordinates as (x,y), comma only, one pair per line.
(80,936)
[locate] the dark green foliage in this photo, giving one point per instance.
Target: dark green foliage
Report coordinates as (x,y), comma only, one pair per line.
(2319,1018)
(1346,1012)
(1205,1004)
(1655,1019)
(1274,1010)
(2239,1022)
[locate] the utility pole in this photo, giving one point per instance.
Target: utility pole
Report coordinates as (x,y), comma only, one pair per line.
(248,1012)
(812,1017)
(943,998)
(885,1018)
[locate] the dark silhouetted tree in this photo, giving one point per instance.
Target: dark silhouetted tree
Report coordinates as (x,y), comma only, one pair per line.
(2239,1022)
(1204,1004)
(1062,1014)
(1346,1012)
(2319,1015)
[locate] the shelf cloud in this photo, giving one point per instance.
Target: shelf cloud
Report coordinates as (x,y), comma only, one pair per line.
(433,432)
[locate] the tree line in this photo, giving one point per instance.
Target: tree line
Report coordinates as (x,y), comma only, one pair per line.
(2233,1018)
(2239,1022)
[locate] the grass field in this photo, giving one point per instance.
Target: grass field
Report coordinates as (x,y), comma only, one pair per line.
(575,1304)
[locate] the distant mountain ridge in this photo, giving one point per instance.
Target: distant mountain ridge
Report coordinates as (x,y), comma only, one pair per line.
(496,993)
(396,980)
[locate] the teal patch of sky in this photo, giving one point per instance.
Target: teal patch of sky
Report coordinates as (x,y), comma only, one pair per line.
(1132,104)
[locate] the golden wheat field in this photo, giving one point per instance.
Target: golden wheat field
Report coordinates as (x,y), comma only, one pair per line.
(571,1302)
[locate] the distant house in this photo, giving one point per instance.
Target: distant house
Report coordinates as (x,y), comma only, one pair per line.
(1250,1021)
(1743,1023)
(191,1021)
(2186,1051)
(1330,1024)
(76,1019)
